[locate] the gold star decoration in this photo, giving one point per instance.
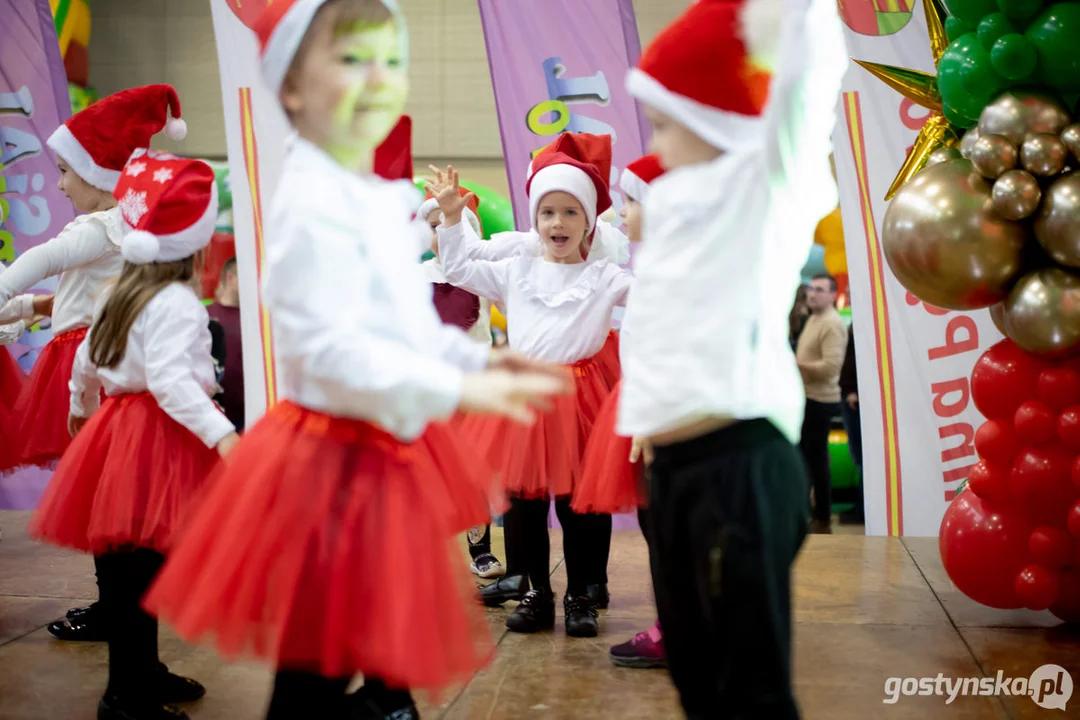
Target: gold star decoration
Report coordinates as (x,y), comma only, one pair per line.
(921,88)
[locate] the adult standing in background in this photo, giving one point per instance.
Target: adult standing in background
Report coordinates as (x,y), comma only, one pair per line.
(226,311)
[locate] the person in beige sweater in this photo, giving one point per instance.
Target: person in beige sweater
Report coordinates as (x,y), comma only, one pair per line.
(820,355)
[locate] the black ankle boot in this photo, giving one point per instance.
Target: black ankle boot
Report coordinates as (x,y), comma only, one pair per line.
(113,707)
(536,612)
(580,616)
(173,688)
(599,595)
(511,587)
(374,702)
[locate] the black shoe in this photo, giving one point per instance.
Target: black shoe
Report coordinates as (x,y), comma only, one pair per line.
(511,587)
(536,612)
(365,705)
(83,612)
(89,627)
(173,688)
(580,616)
(599,595)
(113,708)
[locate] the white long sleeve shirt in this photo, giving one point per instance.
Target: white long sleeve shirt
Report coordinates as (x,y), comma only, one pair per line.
(356,334)
(724,243)
(608,242)
(167,355)
(556,312)
(86,256)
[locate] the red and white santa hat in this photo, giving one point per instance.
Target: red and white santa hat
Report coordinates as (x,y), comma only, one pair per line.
(470,213)
(169,204)
(711,69)
(638,175)
(97,141)
(281,28)
(393,158)
(578,164)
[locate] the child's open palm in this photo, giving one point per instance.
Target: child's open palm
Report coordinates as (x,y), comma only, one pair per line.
(447,192)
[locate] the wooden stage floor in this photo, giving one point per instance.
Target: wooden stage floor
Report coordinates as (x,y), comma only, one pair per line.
(867,609)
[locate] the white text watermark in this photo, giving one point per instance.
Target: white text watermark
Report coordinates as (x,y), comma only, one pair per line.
(1050,687)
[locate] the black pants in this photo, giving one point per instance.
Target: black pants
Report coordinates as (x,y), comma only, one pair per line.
(815,451)
(301,695)
(727,518)
(586,544)
(479,544)
(123,579)
(853,425)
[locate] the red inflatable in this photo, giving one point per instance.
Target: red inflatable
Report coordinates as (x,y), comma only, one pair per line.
(983,549)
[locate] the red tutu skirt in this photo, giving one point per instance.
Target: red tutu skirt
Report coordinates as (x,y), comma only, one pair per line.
(327,545)
(42,409)
(544,459)
(609,482)
(129,478)
(12,380)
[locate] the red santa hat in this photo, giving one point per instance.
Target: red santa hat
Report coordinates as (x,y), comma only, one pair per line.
(169,204)
(471,212)
(393,158)
(578,164)
(711,69)
(97,141)
(281,28)
(638,175)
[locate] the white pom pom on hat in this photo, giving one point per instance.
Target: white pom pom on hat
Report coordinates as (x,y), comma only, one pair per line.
(140,247)
(176,129)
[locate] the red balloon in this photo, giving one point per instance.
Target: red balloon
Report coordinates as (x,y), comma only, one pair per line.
(1058,387)
(1051,547)
(996,441)
(1073,521)
(1004,377)
(1068,427)
(1037,587)
(983,549)
(1035,423)
(1040,485)
(990,481)
(1067,605)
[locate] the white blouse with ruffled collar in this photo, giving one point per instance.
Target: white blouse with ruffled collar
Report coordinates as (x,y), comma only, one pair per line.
(555,312)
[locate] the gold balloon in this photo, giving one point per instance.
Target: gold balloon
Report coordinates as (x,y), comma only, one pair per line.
(1044,154)
(968,141)
(1017,114)
(1016,195)
(997,314)
(1071,137)
(943,155)
(1057,225)
(944,242)
(1042,313)
(992,155)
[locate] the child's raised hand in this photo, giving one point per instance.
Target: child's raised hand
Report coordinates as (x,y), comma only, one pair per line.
(446,191)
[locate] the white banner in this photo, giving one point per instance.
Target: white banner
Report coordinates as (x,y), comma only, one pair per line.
(914,361)
(255,130)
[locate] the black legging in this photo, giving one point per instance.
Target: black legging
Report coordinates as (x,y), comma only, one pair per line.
(299,694)
(123,579)
(586,544)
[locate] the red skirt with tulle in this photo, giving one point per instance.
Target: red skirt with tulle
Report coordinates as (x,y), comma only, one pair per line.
(130,478)
(41,412)
(609,483)
(12,379)
(327,545)
(544,459)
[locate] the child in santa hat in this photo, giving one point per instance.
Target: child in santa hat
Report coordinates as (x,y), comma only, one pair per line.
(613,470)
(136,463)
(559,309)
(326,545)
(745,139)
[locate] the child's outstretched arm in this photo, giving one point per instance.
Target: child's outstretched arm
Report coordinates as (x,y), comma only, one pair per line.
(85,385)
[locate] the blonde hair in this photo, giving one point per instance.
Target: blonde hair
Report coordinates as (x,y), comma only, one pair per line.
(134,289)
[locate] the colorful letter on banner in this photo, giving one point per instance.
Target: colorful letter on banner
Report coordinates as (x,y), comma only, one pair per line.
(255,131)
(914,360)
(33,103)
(559,66)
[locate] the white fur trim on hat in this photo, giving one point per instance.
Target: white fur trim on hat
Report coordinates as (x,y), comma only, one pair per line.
(633,186)
(567,179)
(431,204)
(64,143)
(723,130)
(284,41)
(141,247)
(760,23)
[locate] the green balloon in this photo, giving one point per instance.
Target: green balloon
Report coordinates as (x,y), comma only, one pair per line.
(971,11)
(1013,57)
(966,79)
(992,27)
(958,119)
(1020,11)
(955,27)
(1055,33)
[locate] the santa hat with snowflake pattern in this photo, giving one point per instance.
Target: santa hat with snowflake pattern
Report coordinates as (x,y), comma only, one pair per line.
(711,69)
(169,204)
(638,175)
(97,141)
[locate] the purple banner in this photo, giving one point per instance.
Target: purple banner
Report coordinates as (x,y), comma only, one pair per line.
(559,66)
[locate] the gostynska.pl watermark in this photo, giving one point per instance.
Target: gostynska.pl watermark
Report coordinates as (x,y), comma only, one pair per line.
(1049,687)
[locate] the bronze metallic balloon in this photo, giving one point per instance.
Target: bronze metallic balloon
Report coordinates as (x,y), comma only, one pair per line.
(1071,137)
(1016,194)
(1057,224)
(1044,154)
(1017,114)
(943,154)
(967,141)
(946,244)
(997,314)
(1042,313)
(992,155)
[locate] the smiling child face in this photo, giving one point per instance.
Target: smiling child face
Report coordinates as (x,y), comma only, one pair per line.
(562,224)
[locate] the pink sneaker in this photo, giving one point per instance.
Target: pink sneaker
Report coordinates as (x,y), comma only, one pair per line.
(645,650)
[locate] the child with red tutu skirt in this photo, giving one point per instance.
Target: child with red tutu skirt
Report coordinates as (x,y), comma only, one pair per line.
(12,379)
(326,544)
(613,473)
(559,309)
(137,462)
